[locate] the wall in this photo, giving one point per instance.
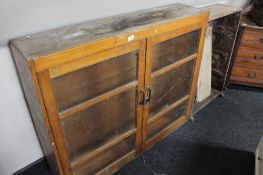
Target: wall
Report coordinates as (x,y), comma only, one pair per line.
(19,145)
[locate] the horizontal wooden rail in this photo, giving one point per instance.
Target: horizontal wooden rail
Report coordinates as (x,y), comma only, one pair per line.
(174,65)
(93,59)
(99,150)
(96,100)
(118,163)
(58,58)
(166,131)
(168,109)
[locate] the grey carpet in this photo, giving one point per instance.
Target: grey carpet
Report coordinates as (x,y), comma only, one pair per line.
(221,140)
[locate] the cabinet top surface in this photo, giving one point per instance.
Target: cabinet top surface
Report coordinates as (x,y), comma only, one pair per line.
(248,23)
(42,44)
(221,10)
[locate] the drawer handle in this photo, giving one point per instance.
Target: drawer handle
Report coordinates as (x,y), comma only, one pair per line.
(258,58)
(142,96)
(261,40)
(252,75)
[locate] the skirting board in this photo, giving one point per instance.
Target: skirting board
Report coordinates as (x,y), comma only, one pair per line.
(38,167)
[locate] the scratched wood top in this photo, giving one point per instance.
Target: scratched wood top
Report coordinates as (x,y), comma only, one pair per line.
(220,10)
(42,44)
(249,23)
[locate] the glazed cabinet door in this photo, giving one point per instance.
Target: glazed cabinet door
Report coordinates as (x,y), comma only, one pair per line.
(170,64)
(93,105)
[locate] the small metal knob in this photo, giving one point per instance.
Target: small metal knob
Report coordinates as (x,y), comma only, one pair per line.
(258,58)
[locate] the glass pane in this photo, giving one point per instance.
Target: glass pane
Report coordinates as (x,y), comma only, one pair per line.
(105,158)
(93,127)
(175,49)
(171,87)
(78,86)
(164,121)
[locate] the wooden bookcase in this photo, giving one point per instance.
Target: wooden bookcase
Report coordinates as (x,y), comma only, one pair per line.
(102,92)
(224,21)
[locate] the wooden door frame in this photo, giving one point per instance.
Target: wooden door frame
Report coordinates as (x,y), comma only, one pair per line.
(54,121)
(151,41)
(196,71)
(45,77)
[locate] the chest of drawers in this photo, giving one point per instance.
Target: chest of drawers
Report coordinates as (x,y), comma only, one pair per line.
(248,65)
(102,92)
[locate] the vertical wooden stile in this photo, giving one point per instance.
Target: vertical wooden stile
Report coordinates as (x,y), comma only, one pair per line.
(48,97)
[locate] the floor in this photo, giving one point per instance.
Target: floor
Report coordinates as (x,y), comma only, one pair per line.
(220,141)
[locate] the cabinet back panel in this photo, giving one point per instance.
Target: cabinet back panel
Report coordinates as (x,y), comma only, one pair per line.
(164,121)
(103,159)
(219,62)
(95,126)
(170,87)
(84,84)
(224,36)
(175,49)
(223,40)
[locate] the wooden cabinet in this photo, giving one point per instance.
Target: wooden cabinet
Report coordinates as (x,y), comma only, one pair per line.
(102,92)
(247,67)
(169,74)
(225,29)
(217,62)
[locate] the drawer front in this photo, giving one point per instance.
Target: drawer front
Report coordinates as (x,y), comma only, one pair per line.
(247,75)
(252,38)
(250,57)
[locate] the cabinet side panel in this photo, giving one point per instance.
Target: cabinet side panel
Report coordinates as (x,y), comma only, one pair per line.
(30,89)
(196,70)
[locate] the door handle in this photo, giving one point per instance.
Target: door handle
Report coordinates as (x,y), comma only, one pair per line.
(149,94)
(142,97)
(258,58)
(252,75)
